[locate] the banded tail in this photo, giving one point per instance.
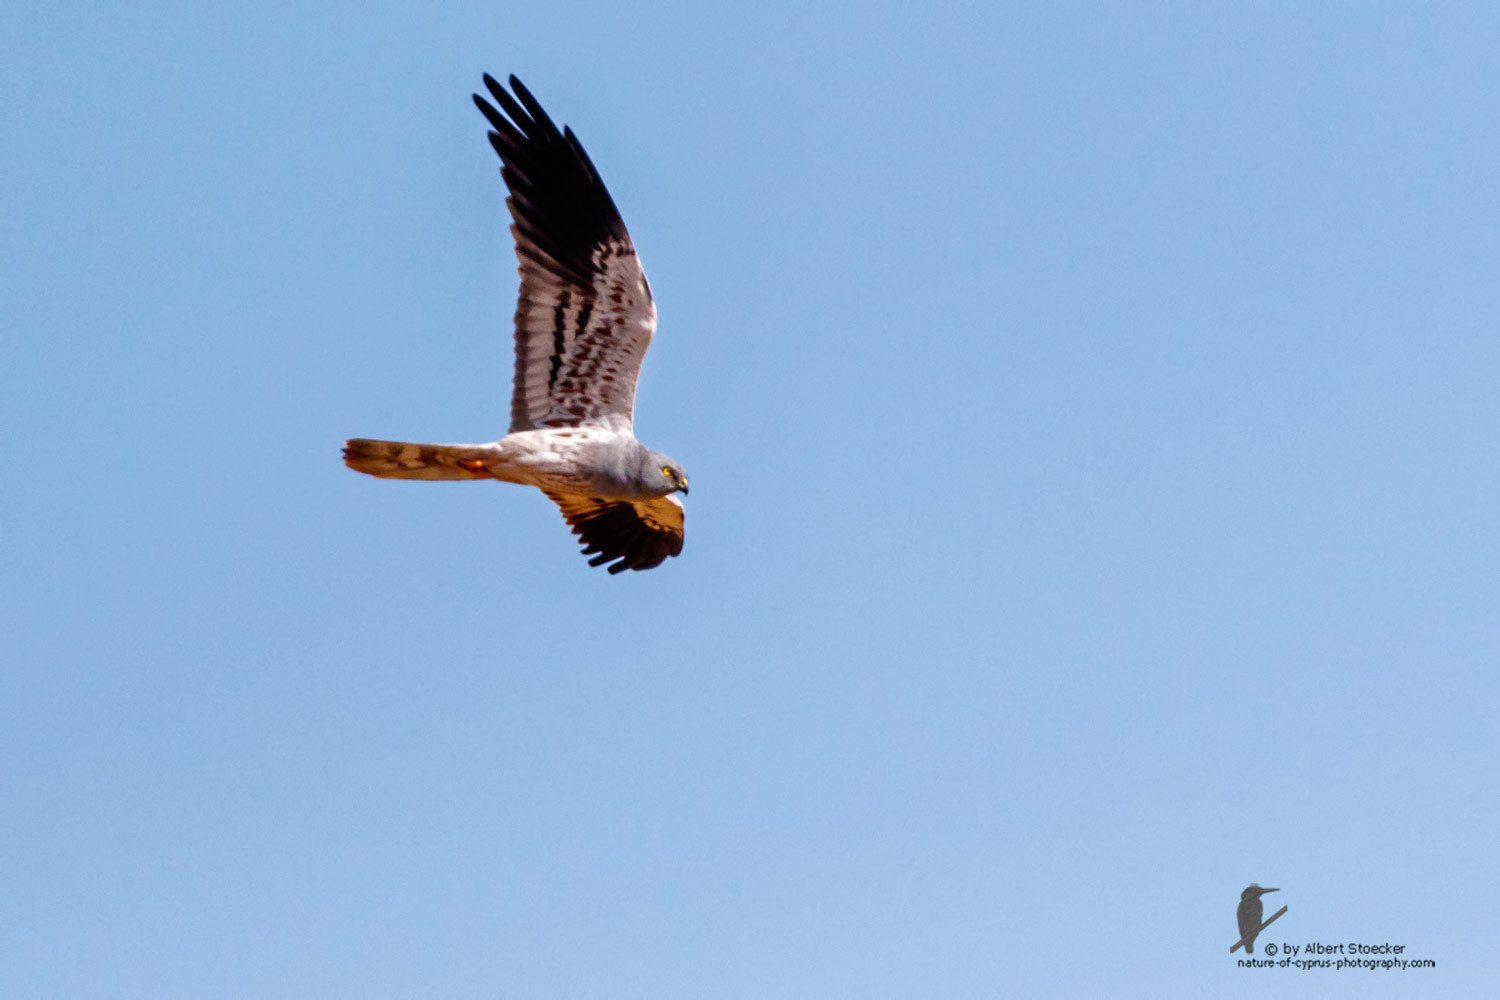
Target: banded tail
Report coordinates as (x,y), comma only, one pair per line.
(401,460)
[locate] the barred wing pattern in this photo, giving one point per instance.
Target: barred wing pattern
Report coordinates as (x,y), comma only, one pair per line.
(640,534)
(585,315)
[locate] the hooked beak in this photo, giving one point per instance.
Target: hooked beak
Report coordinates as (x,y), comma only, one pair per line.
(683,488)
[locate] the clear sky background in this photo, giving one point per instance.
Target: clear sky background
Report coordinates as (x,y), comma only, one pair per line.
(1092,417)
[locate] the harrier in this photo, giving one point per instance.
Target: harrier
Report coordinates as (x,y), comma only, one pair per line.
(583,323)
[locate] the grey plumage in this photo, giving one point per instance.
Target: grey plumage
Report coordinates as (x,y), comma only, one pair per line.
(584,319)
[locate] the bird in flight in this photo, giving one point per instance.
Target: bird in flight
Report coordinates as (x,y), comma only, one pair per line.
(583,323)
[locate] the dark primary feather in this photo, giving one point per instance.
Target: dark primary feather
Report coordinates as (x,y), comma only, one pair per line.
(560,205)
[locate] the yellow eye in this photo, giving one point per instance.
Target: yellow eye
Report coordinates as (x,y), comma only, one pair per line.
(666,470)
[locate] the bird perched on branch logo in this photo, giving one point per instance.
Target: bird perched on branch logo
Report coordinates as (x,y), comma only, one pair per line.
(1248,915)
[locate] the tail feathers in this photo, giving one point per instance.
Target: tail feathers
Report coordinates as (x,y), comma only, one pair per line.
(400,460)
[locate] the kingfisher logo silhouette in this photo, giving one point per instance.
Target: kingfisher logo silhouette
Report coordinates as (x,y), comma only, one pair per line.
(1249,913)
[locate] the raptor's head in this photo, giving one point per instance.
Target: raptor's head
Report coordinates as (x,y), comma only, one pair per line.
(659,475)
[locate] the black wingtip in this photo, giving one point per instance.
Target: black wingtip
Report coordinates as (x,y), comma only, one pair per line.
(559,202)
(483,105)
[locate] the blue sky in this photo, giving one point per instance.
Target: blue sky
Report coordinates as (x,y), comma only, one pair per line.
(1091,413)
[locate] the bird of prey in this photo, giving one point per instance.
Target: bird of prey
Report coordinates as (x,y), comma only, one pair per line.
(1248,915)
(583,322)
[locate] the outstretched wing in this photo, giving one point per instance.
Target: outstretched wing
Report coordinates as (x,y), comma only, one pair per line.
(585,315)
(640,534)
